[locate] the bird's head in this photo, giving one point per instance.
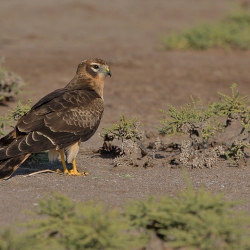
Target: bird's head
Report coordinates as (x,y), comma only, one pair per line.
(91,74)
(94,68)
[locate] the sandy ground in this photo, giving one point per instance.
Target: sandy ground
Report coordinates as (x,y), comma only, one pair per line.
(43,41)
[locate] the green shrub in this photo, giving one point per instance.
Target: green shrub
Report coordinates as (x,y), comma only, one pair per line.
(63,224)
(204,120)
(20,110)
(192,119)
(193,220)
(13,115)
(205,124)
(233,31)
(10,84)
(127,129)
(234,107)
(128,134)
(10,240)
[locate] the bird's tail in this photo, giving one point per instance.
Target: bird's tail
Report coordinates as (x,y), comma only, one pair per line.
(15,148)
(8,139)
(8,166)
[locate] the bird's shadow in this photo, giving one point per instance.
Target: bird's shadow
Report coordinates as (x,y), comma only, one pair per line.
(26,168)
(30,167)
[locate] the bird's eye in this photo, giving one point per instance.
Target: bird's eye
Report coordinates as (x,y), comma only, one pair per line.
(95,66)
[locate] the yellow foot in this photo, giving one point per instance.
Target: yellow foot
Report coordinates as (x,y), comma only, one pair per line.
(76,173)
(62,172)
(72,173)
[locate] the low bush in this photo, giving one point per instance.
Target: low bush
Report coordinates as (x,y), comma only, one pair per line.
(192,220)
(232,32)
(11,84)
(206,124)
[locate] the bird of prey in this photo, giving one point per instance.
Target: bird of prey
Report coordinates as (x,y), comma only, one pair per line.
(59,122)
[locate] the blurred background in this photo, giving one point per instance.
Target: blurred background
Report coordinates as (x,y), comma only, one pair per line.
(43,42)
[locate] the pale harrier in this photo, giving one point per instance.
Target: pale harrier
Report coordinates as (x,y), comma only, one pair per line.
(59,122)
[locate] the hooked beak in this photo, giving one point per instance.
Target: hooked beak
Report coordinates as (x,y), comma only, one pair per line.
(108,71)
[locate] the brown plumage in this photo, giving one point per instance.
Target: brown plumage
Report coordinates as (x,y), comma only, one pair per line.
(59,121)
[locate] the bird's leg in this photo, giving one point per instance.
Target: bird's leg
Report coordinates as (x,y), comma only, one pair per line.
(65,170)
(74,170)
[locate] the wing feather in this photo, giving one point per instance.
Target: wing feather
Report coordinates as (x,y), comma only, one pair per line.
(66,115)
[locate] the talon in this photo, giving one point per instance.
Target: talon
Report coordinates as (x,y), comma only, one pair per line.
(73,171)
(62,172)
(76,173)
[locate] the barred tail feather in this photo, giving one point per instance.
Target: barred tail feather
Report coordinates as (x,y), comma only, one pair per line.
(8,139)
(8,166)
(14,150)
